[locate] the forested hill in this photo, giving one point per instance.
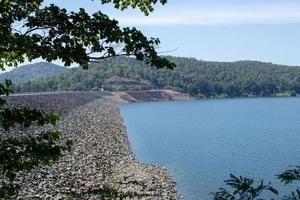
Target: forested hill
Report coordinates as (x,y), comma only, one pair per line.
(192,76)
(34,71)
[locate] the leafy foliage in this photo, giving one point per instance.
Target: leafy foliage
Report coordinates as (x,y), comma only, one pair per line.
(295,195)
(23,154)
(25,116)
(4,91)
(18,154)
(243,189)
(145,6)
(290,175)
(52,33)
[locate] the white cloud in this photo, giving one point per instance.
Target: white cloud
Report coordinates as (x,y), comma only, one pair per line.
(222,15)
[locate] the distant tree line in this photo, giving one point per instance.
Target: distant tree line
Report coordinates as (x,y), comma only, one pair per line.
(194,77)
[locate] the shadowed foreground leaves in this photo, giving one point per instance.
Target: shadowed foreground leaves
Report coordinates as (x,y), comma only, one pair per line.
(18,154)
(242,188)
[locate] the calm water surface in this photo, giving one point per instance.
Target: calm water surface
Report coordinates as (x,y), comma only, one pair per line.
(202,142)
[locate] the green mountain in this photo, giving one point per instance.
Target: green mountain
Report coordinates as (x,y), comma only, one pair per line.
(32,72)
(192,76)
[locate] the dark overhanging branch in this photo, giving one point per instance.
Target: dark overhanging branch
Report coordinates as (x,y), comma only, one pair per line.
(35,29)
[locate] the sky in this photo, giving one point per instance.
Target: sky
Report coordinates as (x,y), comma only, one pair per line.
(215,30)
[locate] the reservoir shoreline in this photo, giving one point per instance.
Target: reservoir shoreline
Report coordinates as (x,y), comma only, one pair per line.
(101,156)
(202,142)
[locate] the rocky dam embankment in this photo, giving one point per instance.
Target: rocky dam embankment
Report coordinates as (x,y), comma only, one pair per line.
(101,156)
(150,95)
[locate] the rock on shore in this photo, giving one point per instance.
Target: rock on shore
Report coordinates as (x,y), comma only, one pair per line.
(101,156)
(151,95)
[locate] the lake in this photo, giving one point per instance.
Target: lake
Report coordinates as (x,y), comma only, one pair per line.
(201,142)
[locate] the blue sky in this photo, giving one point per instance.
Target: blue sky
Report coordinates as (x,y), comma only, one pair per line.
(218,30)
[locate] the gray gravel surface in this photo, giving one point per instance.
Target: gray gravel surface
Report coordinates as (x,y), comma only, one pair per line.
(101,155)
